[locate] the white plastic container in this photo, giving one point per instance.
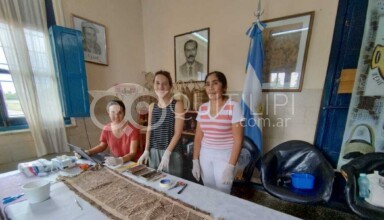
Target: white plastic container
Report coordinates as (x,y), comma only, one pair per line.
(376,187)
(37,191)
(34,168)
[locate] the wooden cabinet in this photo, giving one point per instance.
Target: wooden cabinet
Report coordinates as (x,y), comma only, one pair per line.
(190,123)
(188,134)
(187,139)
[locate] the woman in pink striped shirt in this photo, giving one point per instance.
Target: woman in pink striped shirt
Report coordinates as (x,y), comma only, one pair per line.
(219,134)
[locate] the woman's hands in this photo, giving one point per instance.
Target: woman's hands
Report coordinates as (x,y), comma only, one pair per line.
(228,174)
(164,161)
(144,157)
(196,169)
(114,161)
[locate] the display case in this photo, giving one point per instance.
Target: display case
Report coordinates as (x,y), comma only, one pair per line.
(187,138)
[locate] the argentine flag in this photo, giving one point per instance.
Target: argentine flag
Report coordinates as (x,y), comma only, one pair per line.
(251,102)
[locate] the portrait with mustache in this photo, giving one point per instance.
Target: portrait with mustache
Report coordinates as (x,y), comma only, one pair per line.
(191,69)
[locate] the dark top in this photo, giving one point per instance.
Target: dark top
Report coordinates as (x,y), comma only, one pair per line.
(162,125)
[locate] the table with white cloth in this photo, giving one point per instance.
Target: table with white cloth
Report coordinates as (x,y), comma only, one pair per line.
(62,204)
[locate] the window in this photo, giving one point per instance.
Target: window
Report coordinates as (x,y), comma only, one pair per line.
(11,113)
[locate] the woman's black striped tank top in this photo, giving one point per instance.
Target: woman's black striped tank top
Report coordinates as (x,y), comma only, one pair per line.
(162,126)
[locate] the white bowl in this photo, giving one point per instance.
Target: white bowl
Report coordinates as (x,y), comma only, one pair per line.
(37,191)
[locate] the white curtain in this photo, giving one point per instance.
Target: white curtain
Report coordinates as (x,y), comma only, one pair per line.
(24,36)
(58,9)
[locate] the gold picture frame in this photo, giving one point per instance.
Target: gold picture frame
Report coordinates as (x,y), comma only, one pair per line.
(286,42)
(94,40)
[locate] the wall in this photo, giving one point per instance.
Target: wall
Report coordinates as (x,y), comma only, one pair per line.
(125,45)
(228,21)
(123,20)
(140,37)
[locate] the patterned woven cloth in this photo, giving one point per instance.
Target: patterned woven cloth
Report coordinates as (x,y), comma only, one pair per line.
(121,198)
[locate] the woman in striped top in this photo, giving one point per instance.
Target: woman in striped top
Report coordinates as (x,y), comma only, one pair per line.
(165,124)
(219,134)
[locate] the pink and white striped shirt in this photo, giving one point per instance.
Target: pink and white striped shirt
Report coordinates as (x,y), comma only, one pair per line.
(217,130)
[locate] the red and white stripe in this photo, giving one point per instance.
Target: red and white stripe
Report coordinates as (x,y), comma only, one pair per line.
(218,129)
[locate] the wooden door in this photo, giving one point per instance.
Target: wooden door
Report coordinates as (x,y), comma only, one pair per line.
(345,51)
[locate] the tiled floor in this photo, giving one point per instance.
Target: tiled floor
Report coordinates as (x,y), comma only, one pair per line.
(303,211)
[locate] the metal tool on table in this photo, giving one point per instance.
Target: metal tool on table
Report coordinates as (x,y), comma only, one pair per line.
(182,189)
(178,183)
(12,198)
(78,204)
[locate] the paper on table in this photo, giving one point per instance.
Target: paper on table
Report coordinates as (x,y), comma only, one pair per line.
(125,167)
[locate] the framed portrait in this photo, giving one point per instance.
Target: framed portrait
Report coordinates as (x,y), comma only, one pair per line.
(286,41)
(192,55)
(94,40)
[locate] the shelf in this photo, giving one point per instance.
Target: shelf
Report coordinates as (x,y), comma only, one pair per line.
(187,133)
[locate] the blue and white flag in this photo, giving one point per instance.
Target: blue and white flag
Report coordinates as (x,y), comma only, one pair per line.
(251,102)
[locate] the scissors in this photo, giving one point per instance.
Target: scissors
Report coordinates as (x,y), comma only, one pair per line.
(12,198)
(178,183)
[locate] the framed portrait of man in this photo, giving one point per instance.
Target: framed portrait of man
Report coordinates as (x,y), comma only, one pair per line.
(94,40)
(192,55)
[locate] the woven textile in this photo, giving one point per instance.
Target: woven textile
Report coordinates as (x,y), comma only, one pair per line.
(121,198)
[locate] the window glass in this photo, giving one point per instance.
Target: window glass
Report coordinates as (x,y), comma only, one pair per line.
(3,61)
(9,101)
(12,103)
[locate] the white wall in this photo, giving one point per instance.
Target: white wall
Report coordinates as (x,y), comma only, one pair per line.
(228,21)
(140,37)
(123,21)
(125,44)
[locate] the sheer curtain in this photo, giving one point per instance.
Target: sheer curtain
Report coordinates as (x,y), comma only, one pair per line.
(24,36)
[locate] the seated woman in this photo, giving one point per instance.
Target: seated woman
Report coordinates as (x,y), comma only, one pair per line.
(121,137)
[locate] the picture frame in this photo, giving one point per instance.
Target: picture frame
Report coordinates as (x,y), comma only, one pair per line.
(94,40)
(195,46)
(286,42)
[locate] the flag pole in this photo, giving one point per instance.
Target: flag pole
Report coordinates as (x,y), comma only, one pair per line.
(252,100)
(259,11)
